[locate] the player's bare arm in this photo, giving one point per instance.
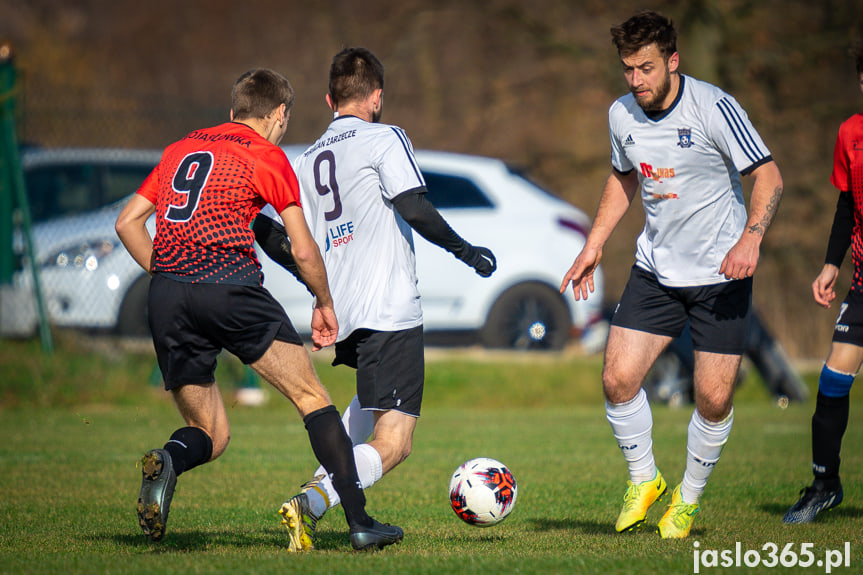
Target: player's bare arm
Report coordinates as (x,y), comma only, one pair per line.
(131,227)
(311,268)
(742,259)
(615,201)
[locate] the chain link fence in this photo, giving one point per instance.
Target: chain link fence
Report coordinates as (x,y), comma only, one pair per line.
(80,158)
(88,280)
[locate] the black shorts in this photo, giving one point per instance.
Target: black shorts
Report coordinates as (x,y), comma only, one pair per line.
(718,314)
(849,323)
(192,323)
(390,368)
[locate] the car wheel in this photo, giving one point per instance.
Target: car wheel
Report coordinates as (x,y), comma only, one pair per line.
(529,316)
(132,320)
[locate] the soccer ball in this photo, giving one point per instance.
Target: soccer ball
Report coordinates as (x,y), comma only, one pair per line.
(482,492)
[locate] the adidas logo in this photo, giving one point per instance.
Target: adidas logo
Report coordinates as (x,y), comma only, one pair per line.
(628,141)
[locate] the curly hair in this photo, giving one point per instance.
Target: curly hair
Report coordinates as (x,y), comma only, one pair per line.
(645,28)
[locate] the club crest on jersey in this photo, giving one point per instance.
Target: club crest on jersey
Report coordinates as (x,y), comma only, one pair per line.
(684,137)
(339,235)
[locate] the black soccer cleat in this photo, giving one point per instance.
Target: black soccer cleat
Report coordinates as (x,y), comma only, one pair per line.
(813,500)
(379,535)
(157,489)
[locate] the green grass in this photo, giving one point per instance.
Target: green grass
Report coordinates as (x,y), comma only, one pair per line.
(69,452)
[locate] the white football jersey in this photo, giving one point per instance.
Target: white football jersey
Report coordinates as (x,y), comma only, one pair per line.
(689,163)
(347,181)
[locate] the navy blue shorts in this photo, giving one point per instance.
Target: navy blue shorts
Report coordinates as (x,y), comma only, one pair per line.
(849,323)
(390,368)
(718,314)
(192,323)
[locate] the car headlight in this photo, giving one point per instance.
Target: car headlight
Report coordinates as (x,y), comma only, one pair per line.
(82,256)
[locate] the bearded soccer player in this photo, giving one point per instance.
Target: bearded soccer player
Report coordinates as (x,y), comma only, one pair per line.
(846,351)
(361,178)
(685,144)
(206,295)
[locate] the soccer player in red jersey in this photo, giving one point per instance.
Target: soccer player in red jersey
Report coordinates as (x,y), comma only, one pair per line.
(846,351)
(206,295)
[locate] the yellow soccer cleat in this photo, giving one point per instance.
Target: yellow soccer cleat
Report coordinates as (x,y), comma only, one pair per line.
(637,500)
(678,519)
(298,518)
(300,523)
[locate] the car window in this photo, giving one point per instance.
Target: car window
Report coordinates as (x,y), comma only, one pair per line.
(454,192)
(56,191)
(120,181)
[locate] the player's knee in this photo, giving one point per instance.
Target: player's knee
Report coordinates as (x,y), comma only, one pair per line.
(714,408)
(618,390)
(834,383)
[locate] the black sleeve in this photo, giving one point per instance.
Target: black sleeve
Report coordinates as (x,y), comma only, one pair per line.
(273,239)
(422,216)
(843,228)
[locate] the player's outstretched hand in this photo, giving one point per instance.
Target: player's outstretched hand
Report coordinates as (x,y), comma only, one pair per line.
(325,327)
(581,274)
(480,259)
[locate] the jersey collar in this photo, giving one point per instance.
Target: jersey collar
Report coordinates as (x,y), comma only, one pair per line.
(660,114)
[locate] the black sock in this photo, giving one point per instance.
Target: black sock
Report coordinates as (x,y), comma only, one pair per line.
(189,447)
(828,427)
(334,451)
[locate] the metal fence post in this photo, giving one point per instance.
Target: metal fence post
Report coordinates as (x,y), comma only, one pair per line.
(7,105)
(12,184)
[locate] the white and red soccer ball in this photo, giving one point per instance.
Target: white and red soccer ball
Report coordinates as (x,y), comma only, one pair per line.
(482,492)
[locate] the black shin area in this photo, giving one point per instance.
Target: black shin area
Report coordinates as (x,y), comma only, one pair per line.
(828,426)
(334,451)
(189,447)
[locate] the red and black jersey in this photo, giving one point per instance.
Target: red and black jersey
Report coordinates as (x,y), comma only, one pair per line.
(207,189)
(848,177)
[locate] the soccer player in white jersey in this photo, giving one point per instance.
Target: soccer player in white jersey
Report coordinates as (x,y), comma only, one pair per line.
(686,144)
(363,192)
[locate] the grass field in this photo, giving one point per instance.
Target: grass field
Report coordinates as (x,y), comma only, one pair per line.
(73,426)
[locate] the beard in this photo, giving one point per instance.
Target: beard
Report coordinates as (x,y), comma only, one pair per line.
(655,103)
(376,116)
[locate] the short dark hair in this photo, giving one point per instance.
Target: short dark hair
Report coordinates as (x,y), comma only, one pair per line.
(645,28)
(258,92)
(857,53)
(354,74)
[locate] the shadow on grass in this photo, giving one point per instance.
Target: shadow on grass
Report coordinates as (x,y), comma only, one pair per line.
(586,527)
(594,527)
(185,540)
(195,540)
(779,510)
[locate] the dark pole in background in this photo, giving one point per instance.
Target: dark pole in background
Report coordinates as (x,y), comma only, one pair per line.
(14,194)
(7,108)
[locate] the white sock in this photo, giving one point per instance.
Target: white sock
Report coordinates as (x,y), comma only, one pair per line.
(704,443)
(359,423)
(370,469)
(632,425)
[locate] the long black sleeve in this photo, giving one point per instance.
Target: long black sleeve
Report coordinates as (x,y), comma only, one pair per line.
(422,216)
(273,238)
(843,228)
